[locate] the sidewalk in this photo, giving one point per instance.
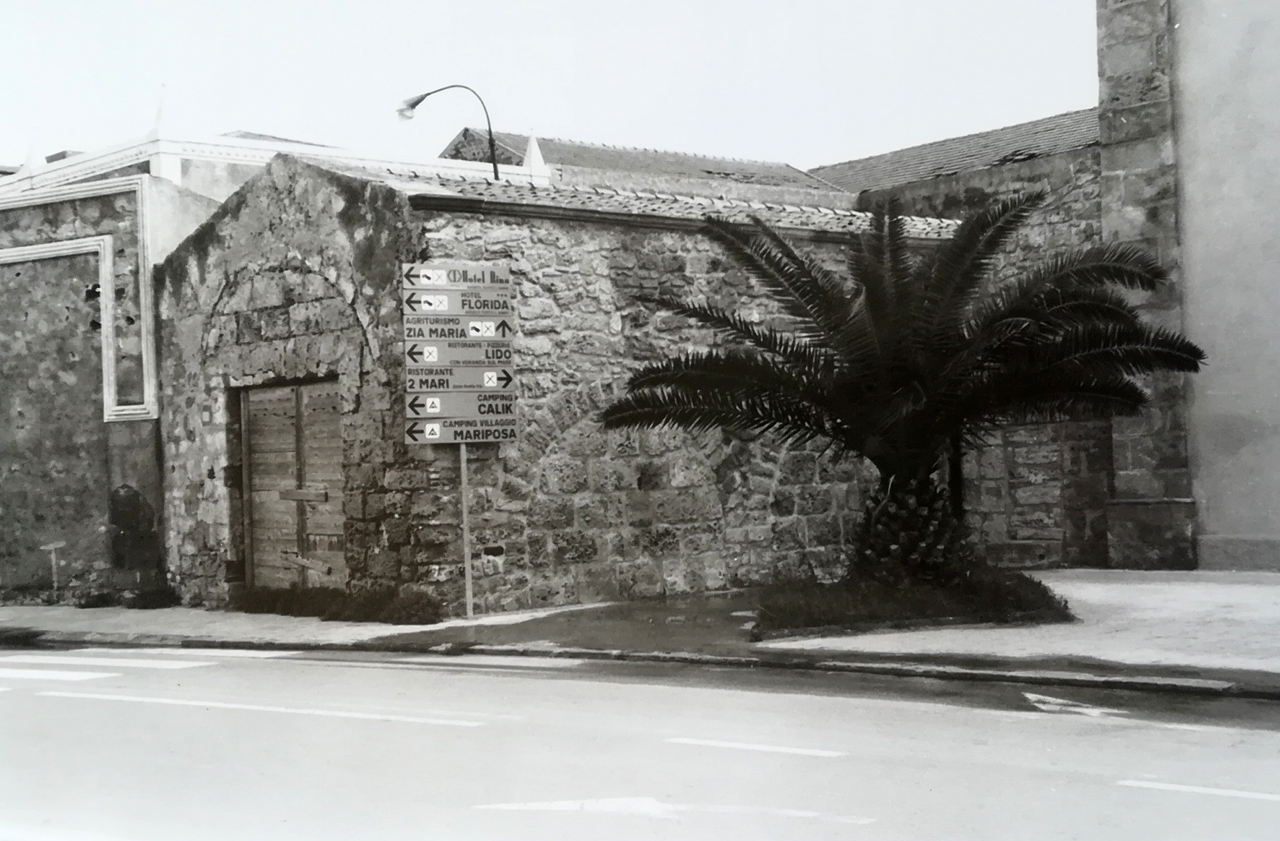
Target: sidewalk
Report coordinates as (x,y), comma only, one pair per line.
(1206,632)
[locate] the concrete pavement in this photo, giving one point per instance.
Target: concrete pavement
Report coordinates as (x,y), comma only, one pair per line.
(1205,632)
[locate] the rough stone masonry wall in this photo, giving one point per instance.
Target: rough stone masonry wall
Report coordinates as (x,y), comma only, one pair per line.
(64,474)
(1152,516)
(1036,495)
(297,278)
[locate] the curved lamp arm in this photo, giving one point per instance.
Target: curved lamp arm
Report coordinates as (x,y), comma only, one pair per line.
(407,107)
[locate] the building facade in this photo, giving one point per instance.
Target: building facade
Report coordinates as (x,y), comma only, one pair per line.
(281,347)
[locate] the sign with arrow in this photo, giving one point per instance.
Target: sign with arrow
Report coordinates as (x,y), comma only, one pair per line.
(462,404)
(459,352)
(455,273)
(436,327)
(460,378)
(459,322)
(460,431)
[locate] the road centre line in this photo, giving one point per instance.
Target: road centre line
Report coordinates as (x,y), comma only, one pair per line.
(222,705)
(52,674)
(712,743)
(194,652)
(1220,792)
(106,662)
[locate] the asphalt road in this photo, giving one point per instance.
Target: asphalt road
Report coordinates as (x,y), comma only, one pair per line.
(180,744)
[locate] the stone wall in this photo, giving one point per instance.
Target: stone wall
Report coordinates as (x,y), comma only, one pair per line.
(65,475)
(296,278)
(1152,517)
(1036,495)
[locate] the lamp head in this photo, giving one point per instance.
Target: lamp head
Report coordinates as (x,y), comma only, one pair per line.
(406,108)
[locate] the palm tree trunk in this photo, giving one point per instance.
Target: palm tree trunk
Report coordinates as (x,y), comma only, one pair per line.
(909,530)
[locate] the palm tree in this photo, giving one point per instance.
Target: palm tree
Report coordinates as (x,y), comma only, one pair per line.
(910,356)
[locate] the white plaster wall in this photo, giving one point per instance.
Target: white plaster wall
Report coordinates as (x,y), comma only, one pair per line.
(1227,113)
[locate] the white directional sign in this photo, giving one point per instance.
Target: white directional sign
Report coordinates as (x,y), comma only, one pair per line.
(459,319)
(460,430)
(460,378)
(432,405)
(488,353)
(436,301)
(432,327)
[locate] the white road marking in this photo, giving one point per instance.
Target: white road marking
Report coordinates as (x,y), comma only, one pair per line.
(105,662)
(222,705)
(52,674)
(1062,705)
(495,661)
(651,807)
(194,652)
(1220,792)
(712,743)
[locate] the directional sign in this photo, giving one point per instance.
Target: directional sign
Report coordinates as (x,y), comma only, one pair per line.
(462,404)
(459,321)
(454,274)
(497,302)
(458,353)
(460,430)
(461,378)
(431,327)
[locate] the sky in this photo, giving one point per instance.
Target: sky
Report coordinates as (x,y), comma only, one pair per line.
(807,82)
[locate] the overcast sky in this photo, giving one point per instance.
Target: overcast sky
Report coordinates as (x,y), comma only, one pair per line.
(803,81)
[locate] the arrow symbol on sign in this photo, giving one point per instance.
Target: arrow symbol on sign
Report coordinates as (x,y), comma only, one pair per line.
(505,379)
(413,354)
(415,405)
(504,328)
(411,301)
(413,272)
(414,430)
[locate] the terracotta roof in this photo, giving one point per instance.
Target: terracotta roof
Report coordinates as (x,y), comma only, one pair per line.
(617,202)
(629,159)
(1049,136)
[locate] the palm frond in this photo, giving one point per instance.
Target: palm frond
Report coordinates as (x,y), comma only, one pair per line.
(812,295)
(803,354)
(1114,264)
(792,421)
(963,261)
(1125,349)
(731,370)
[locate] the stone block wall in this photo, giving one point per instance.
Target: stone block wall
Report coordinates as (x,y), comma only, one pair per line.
(1153,504)
(65,475)
(297,277)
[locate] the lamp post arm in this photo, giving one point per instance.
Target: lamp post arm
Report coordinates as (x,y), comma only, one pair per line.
(411,104)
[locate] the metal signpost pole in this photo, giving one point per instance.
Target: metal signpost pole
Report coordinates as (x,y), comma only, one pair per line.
(459,319)
(466,528)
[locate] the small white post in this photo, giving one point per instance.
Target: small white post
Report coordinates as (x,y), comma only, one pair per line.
(466,529)
(52,549)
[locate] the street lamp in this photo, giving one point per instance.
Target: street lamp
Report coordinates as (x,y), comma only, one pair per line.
(406,113)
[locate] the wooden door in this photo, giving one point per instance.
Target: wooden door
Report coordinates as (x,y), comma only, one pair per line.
(293,454)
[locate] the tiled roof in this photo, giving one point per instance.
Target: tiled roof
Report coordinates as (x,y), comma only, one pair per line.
(626,159)
(253,135)
(1049,136)
(614,202)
